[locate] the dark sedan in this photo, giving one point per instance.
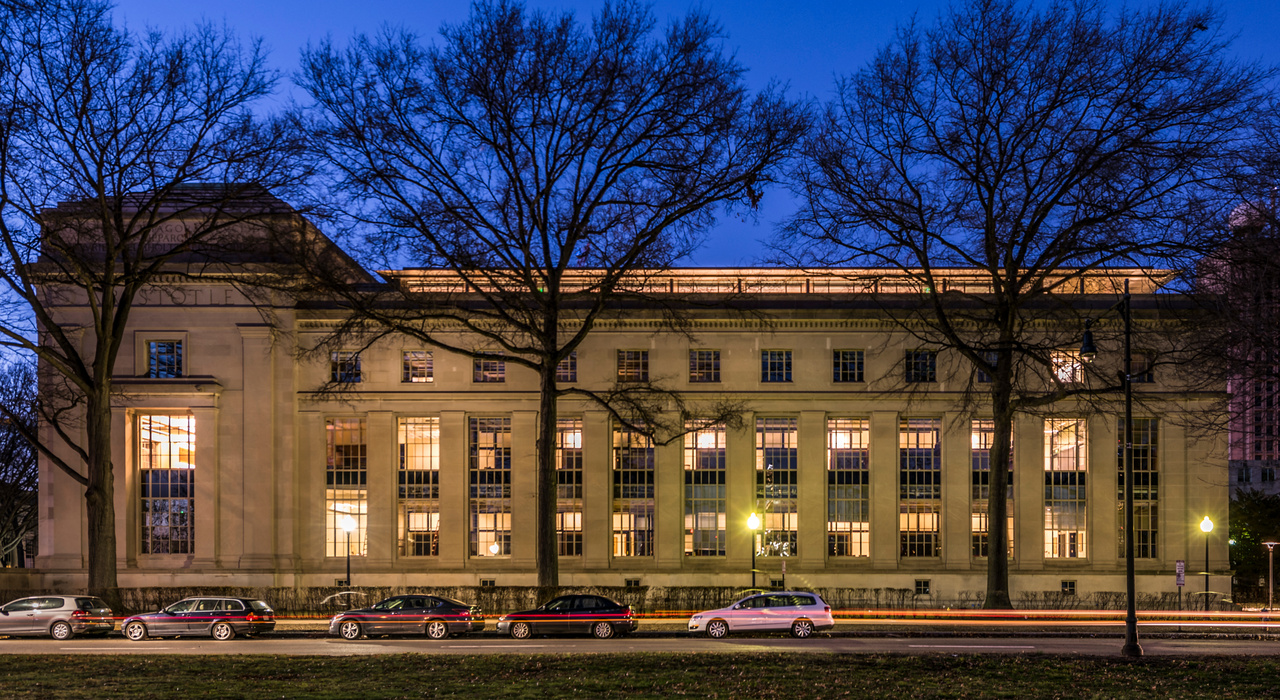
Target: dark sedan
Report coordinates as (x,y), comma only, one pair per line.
(435,616)
(220,618)
(570,614)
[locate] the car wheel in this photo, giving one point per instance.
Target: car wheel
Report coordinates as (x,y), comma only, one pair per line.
(801,629)
(521,630)
(135,631)
(717,629)
(437,629)
(223,631)
(602,630)
(61,630)
(349,629)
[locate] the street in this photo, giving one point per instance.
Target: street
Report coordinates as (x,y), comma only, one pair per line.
(304,646)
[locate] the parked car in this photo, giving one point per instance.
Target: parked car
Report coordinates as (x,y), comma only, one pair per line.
(799,612)
(570,614)
(59,616)
(435,616)
(220,618)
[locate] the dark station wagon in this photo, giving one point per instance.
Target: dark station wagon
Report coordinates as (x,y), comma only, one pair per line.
(220,618)
(435,616)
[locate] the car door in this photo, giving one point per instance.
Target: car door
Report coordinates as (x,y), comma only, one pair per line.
(45,611)
(411,616)
(173,620)
(586,610)
(201,616)
(554,618)
(779,612)
(747,614)
(16,616)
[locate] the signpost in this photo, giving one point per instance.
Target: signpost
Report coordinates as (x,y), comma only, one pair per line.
(1180,577)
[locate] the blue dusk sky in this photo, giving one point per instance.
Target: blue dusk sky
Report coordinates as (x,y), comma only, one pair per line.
(802,44)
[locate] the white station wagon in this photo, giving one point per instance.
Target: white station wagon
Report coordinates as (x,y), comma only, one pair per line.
(801,613)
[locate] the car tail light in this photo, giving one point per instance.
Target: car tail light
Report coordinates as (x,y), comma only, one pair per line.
(80,613)
(627,611)
(826,608)
(250,617)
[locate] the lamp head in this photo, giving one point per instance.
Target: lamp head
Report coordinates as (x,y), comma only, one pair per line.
(753,522)
(494,548)
(1206,525)
(348,524)
(1088,350)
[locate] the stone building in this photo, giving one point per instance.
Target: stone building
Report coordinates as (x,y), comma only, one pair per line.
(855,451)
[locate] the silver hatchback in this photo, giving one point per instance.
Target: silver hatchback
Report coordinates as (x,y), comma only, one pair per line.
(59,616)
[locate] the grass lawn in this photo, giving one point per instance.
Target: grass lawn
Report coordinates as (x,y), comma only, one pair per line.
(586,676)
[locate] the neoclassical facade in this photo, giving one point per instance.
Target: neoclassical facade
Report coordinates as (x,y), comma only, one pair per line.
(856,451)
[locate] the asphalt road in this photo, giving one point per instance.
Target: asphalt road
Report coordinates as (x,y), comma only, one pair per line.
(300,646)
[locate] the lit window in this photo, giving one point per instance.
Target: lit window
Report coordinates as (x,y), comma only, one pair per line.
(846,366)
(419,493)
(633,365)
(848,494)
(490,479)
(489,371)
(166,457)
(346,493)
(1067,366)
(569,486)
(921,366)
(344,367)
(704,492)
(775,365)
(777,479)
(633,501)
(164,359)
(704,366)
(417,367)
(982,436)
(920,487)
(1066,457)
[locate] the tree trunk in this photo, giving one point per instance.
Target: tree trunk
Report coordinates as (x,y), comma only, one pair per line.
(548,550)
(100,501)
(998,491)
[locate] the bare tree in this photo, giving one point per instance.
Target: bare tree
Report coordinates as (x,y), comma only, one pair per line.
(1033,147)
(120,156)
(550,165)
(18,468)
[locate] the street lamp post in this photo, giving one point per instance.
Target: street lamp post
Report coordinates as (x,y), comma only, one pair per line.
(1271,570)
(348,525)
(753,523)
(1088,351)
(1206,526)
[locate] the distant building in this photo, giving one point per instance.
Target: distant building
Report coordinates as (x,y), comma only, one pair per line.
(856,453)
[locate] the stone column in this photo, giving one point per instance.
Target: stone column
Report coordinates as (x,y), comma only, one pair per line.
(455,521)
(957,482)
(206,490)
(257,453)
(884,489)
(309,524)
(597,491)
(1104,464)
(740,499)
(813,490)
(524,485)
(1028,499)
(381,481)
(668,500)
(126,491)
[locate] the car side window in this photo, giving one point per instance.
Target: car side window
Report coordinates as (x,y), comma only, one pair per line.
(206,605)
(804,600)
(21,605)
(232,605)
(560,604)
(49,603)
(755,602)
(181,606)
(586,603)
(781,601)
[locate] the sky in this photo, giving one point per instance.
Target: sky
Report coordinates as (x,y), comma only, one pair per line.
(803,44)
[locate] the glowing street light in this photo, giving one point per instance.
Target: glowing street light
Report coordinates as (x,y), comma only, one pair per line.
(348,526)
(753,524)
(1206,526)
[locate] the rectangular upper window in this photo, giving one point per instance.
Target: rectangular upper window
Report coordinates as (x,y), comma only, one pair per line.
(1067,366)
(633,365)
(344,367)
(567,369)
(1142,368)
(775,365)
(417,367)
(704,366)
(846,366)
(921,366)
(164,359)
(990,357)
(485,371)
